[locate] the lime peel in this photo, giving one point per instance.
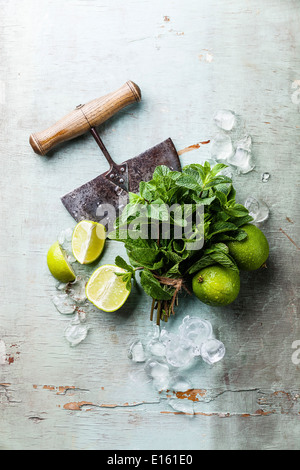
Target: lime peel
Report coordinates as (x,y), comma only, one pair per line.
(218,286)
(58,264)
(252,252)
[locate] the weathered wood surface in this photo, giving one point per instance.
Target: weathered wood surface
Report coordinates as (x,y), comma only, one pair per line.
(190,59)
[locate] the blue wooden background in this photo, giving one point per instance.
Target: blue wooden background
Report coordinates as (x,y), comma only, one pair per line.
(190,59)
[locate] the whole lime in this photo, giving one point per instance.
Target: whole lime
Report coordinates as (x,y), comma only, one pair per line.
(252,252)
(216,285)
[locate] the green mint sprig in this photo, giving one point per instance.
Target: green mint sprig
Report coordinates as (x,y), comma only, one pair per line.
(166,264)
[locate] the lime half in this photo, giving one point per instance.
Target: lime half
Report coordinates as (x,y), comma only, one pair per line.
(106,290)
(58,264)
(88,241)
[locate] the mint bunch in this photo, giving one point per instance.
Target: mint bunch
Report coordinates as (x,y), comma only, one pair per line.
(167,262)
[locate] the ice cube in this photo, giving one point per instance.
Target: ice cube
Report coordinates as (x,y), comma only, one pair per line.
(76,289)
(136,351)
(257,209)
(227,172)
(157,369)
(242,160)
(68,234)
(156,348)
(225,119)
(180,384)
(159,373)
(161,383)
(165,336)
(183,405)
(155,331)
(244,143)
(65,240)
(265,177)
(221,147)
(76,332)
(212,350)
(81,315)
(195,331)
(61,286)
(179,352)
(64,304)
(71,259)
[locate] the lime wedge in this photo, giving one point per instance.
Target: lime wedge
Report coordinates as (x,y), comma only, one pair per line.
(106,290)
(88,241)
(58,264)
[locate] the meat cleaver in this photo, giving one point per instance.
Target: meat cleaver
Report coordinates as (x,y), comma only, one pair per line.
(112,187)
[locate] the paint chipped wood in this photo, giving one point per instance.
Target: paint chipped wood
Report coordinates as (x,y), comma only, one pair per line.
(190,60)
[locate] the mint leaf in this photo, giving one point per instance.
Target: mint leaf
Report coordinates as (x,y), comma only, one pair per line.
(239,221)
(121,263)
(217,247)
(224,260)
(160,172)
(189,182)
(238,235)
(219,227)
(152,287)
(147,190)
(215,181)
(166,250)
(144,256)
(217,168)
(237,211)
(203,262)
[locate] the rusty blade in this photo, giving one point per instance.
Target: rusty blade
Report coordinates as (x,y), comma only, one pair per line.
(141,168)
(87,202)
(118,174)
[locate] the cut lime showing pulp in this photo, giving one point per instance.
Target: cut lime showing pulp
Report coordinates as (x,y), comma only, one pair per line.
(88,241)
(58,264)
(106,290)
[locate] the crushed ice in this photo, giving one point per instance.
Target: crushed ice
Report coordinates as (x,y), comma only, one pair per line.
(76,331)
(265,177)
(225,119)
(64,304)
(231,145)
(70,298)
(212,350)
(136,352)
(257,208)
(221,148)
(76,290)
(166,355)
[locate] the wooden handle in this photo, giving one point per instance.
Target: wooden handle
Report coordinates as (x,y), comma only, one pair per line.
(81,119)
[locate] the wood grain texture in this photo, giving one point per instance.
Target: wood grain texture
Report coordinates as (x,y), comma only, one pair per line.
(84,117)
(190,60)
